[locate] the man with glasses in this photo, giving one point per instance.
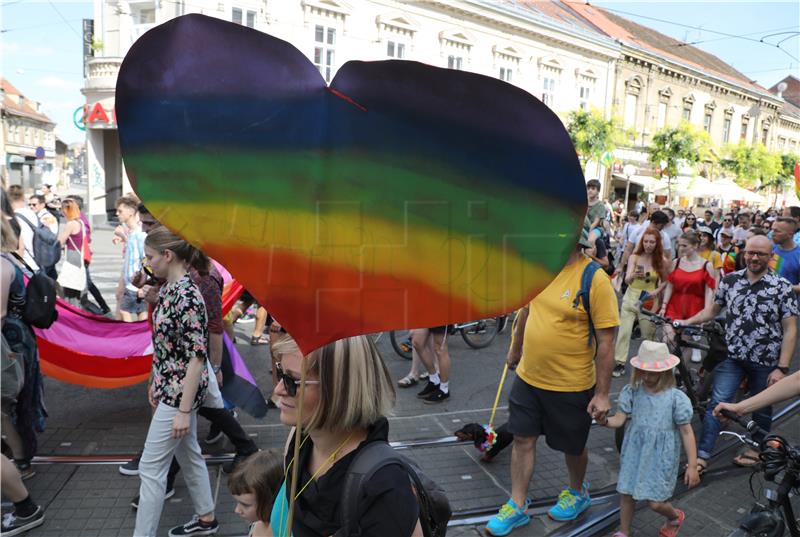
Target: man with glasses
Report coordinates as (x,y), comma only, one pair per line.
(786,261)
(761,330)
(727,225)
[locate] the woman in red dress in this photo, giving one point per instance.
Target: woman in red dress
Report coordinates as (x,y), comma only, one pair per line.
(690,285)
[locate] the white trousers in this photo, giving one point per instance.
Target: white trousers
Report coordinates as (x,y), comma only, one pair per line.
(154,466)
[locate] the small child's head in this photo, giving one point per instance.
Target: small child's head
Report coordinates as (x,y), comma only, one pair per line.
(254,485)
(653,366)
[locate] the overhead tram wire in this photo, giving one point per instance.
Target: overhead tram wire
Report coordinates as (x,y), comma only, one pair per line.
(733,36)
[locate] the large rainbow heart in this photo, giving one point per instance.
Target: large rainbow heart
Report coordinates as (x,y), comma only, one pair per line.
(403,195)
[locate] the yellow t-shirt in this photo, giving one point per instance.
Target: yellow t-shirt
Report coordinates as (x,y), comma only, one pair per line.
(713,257)
(555,354)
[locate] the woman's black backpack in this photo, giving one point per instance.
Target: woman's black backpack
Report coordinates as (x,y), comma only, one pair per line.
(40,298)
(434,507)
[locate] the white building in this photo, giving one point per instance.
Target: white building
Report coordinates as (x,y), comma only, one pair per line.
(27,140)
(541,47)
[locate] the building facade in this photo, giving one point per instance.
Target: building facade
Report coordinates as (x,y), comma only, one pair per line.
(543,48)
(661,82)
(27,140)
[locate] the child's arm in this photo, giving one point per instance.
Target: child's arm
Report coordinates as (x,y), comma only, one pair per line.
(691,477)
(615,421)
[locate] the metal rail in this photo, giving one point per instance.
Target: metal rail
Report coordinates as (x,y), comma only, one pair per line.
(594,523)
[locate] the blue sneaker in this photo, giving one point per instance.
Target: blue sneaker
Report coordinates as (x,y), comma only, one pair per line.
(571,504)
(509,518)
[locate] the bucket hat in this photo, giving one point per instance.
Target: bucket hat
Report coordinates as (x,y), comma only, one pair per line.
(654,356)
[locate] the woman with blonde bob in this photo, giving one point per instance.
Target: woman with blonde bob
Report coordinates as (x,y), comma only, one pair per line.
(177,386)
(347,395)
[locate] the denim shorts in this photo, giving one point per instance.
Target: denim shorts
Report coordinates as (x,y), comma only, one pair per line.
(131,304)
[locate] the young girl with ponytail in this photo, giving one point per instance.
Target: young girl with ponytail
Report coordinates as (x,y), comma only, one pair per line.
(178,383)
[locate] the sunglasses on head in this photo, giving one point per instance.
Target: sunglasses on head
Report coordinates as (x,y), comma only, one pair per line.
(290,383)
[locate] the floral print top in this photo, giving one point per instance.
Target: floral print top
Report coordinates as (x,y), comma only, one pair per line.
(180,334)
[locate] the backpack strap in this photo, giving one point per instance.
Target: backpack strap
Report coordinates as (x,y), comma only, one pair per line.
(30,224)
(21,260)
(368,460)
(584,295)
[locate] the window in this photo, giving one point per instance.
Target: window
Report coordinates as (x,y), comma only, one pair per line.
(792,145)
(661,118)
(745,123)
(686,115)
(764,133)
(236,15)
(251,19)
(324,50)
(585,93)
(549,91)
(395,50)
(707,120)
(726,129)
(455,62)
(505,74)
(629,117)
(781,143)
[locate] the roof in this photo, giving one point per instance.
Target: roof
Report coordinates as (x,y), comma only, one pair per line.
(634,34)
(15,108)
(792,92)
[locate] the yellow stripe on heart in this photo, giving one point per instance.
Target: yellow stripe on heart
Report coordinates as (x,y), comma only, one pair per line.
(466,266)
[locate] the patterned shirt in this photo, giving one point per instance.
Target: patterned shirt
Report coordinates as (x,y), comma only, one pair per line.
(754,313)
(180,334)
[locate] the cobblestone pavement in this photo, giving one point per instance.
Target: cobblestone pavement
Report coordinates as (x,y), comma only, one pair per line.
(89,501)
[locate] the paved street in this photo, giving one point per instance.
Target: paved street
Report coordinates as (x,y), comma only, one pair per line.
(86,501)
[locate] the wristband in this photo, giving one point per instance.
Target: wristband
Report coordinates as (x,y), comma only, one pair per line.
(216,368)
(184,411)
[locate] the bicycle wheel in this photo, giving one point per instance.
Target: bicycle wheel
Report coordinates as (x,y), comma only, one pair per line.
(480,334)
(401,343)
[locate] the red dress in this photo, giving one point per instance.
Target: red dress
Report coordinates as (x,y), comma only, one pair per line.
(688,291)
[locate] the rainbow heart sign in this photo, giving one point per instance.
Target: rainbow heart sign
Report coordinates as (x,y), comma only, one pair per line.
(402,195)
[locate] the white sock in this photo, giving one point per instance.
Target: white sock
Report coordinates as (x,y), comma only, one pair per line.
(445,387)
(434,378)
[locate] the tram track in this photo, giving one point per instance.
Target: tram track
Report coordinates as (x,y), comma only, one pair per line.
(594,523)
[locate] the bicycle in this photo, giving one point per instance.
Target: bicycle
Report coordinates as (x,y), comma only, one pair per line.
(777,456)
(477,334)
(688,380)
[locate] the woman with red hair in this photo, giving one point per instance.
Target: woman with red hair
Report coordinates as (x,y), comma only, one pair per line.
(646,268)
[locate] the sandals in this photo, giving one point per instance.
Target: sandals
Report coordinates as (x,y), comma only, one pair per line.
(259,340)
(702,467)
(672,527)
(407,381)
(746,460)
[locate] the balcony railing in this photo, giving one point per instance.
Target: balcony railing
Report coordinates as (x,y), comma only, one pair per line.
(101,73)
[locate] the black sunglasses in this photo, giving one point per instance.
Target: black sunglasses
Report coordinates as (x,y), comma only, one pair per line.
(290,383)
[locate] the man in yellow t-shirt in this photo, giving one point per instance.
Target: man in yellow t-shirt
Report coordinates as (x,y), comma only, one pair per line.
(562,383)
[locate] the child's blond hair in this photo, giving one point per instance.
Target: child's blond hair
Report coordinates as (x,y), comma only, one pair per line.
(665,381)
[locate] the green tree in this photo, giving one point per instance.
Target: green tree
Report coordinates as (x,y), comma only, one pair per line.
(753,164)
(673,146)
(592,135)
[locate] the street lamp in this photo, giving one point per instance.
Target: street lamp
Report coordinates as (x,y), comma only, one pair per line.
(628,170)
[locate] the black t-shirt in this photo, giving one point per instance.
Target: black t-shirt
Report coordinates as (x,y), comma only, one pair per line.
(389,504)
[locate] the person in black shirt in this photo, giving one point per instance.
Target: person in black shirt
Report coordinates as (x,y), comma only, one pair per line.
(348,392)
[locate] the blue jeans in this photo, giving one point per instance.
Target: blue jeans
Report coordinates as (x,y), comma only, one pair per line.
(727,377)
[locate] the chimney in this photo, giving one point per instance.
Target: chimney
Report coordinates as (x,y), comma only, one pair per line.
(781,88)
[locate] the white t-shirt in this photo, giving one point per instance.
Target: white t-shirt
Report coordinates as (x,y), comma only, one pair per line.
(27,234)
(635,237)
(739,234)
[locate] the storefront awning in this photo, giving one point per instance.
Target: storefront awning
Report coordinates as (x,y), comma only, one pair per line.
(642,180)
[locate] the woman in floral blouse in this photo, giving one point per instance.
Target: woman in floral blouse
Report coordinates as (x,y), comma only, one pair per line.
(178,384)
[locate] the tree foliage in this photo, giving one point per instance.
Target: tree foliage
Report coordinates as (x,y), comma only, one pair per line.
(754,165)
(592,134)
(677,145)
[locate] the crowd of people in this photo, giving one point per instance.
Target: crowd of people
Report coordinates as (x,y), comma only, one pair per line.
(567,345)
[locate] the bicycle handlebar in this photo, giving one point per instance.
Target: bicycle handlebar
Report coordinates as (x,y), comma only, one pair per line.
(749,425)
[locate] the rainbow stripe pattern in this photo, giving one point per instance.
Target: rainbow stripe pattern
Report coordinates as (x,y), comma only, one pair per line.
(403,195)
